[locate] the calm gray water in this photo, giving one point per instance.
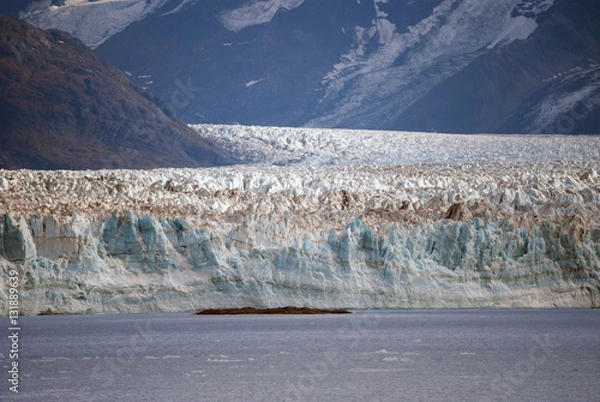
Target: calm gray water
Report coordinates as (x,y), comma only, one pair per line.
(423,355)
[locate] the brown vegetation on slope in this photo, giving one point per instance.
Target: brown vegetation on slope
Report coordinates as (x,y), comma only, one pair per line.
(62,107)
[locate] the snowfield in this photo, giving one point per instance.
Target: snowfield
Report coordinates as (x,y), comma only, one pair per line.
(310,146)
(348,219)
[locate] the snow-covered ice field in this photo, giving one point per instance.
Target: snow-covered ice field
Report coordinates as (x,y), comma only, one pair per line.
(283,145)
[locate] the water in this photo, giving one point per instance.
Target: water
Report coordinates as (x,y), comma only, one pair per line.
(418,355)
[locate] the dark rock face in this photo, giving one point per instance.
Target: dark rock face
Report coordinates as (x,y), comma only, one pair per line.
(12,8)
(62,107)
(267,74)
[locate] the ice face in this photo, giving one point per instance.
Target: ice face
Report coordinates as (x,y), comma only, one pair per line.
(354,236)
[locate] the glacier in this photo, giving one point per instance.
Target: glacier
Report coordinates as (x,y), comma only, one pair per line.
(430,51)
(363,229)
(318,146)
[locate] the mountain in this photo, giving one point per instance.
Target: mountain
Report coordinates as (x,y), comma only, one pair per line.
(62,107)
(514,66)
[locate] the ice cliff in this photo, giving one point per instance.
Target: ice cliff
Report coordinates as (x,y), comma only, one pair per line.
(508,234)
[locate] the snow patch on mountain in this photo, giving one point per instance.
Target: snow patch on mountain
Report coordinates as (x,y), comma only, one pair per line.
(92,22)
(256,13)
(518,27)
(357,62)
(379,13)
(523,23)
(253,82)
(533,7)
(180,7)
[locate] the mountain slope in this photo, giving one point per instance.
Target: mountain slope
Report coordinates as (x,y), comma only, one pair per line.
(61,107)
(258,74)
(548,83)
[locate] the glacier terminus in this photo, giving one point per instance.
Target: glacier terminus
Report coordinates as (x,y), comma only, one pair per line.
(318,218)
